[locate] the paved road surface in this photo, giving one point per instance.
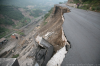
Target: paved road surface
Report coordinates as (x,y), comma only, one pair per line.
(82,29)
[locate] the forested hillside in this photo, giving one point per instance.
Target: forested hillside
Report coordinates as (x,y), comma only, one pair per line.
(11,18)
(8,13)
(36,13)
(93,5)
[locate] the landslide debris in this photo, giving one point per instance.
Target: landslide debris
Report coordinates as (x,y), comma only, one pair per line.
(52,31)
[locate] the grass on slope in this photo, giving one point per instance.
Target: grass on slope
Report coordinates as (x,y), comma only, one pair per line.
(93,5)
(11,12)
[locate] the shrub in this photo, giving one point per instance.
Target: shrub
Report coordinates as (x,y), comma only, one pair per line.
(48,14)
(45,23)
(2,29)
(98,8)
(60,2)
(15,56)
(36,13)
(93,8)
(21,33)
(6,21)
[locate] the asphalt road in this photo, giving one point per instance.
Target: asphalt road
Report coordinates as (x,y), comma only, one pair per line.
(82,29)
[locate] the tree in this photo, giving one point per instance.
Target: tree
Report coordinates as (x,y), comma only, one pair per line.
(60,2)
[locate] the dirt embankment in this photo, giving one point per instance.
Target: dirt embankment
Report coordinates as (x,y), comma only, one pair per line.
(52,31)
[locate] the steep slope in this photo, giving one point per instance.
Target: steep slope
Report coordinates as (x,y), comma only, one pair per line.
(52,31)
(93,5)
(9,17)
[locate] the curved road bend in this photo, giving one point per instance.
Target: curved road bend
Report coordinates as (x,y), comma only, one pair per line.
(82,29)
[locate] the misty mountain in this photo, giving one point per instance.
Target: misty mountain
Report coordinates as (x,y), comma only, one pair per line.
(23,3)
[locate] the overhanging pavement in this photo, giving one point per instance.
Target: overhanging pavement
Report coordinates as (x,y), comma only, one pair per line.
(82,29)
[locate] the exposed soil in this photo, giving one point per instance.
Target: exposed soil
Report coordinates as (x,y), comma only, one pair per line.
(54,25)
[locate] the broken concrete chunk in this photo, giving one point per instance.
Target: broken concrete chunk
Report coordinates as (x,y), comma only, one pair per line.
(9,62)
(36,64)
(38,39)
(57,59)
(45,53)
(48,34)
(41,55)
(45,43)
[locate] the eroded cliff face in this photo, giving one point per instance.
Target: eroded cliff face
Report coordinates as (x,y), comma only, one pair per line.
(52,31)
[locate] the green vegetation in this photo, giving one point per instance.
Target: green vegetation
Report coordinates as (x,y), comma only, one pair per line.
(22,23)
(87,1)
(36,13)
(60,2)
(11,12)
(7,13)
(75,1)
(25,21)
(85,7)
(6,21)
(21,33)
(45,23)
(90,1)
(8,36)
(93,5)
(2,35)
(15,56)
(48,14)
(3,31)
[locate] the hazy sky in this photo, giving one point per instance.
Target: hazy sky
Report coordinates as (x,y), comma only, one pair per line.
(29,2)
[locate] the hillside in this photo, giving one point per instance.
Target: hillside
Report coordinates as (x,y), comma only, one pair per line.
(11,18)
(93,5)
(37,4)
(30,2)
(52,27)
